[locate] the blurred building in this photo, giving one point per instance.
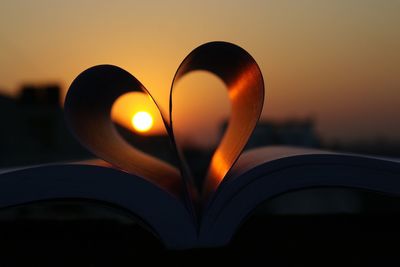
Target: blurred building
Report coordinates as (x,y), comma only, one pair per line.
(291,132)
(33,129)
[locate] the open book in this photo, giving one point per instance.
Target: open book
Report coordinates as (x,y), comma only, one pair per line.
(163,196)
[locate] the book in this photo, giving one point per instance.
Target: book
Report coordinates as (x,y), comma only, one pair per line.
(164,197)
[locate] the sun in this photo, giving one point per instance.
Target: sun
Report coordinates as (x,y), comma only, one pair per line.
(142,121)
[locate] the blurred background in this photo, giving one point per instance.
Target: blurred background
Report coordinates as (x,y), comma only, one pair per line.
(331,70)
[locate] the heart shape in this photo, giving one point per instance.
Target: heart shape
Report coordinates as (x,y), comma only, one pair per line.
(91,95)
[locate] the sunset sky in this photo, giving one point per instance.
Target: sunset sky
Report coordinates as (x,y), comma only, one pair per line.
(335,61)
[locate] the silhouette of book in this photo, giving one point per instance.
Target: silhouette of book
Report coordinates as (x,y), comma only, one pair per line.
(164,197)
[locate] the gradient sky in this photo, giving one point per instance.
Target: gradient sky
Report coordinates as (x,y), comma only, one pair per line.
(336,61)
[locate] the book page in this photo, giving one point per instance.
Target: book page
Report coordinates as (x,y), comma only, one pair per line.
(166,215)
(245,85)
(88,114)
(254,157)
(264,173)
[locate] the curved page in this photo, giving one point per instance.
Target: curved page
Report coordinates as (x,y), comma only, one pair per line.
(267,172)
(88,113)
(244,81)
(163,212)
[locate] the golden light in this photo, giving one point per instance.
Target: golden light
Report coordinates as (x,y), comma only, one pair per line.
(142,121)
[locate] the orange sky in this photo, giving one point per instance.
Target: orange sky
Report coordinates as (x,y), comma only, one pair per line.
(337,61)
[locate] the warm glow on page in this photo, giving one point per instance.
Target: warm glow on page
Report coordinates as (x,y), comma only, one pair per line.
(218,169)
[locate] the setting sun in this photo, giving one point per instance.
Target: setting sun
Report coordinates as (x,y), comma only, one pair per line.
(142,121)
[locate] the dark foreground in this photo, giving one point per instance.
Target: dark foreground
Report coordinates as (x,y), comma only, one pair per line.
(329,240)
